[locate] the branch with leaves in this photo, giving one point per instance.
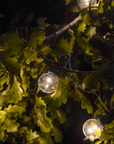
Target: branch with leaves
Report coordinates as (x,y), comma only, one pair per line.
(28,113)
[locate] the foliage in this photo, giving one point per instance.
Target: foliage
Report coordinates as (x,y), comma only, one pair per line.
(21,66)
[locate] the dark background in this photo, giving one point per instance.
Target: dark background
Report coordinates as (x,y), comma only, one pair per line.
(25,12)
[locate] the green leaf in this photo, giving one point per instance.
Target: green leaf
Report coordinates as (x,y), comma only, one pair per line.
(61,93)
(100,9)
(4,78)
(92,81)
(58,114)
(3,134)
(12,65)
(67,2)
(13,93)
(41,119)
(45,138)
(99,112)
(45,49)
(25,79)
(66,45)
(13,111)
(38,69)
(107,134)
(103,104)
(85,103)
(31,55)
(97,63)
(100,46)
(40,103)
(2,116)
(32,137)
(110,125)
(98,142)
(12,45)
(41,23)
(55,54)
(57,134)
(36,38)
(112,102)
(11,126)
(112,141)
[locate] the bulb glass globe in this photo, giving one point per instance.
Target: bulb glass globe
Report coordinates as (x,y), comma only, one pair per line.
(48,82)
(92,129)
(85,3)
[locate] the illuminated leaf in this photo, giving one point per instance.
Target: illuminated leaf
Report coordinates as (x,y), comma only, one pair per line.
(66,45)
(45,138)
(85,103)
(58,114)
(25,79)
(41,119)
(92,81)
(4,78)
(101,10)
(12,45)
(110,125)
(11,126)
(107,134)
(31,55)
(61,93)
(36,38)
(13,111)
(67,2)
(99,112)
(13,93)
(32,137)
(38,69)
(57,134)
(3,134)
(45,49)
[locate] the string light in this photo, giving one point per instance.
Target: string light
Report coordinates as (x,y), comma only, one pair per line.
(48,82)
(85,3)
(92,129)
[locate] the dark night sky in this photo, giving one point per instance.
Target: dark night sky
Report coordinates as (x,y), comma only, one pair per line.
(20,9)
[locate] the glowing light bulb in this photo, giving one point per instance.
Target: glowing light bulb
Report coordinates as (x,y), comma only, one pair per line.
(85,3)
(95,127)
(48,79)
(92,129)
(48,82)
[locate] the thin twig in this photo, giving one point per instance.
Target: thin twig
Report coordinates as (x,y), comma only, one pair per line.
(59,65)
(71,69)
(64,28)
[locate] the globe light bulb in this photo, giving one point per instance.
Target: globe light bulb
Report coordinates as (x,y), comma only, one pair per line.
(92,129)
(85,3)
(48,82)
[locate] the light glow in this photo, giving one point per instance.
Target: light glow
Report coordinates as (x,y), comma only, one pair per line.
(95,127)
(47,86)
(90,130)
(48,80)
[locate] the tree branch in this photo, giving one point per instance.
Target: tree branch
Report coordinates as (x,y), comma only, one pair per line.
(59,65)
(64,28)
